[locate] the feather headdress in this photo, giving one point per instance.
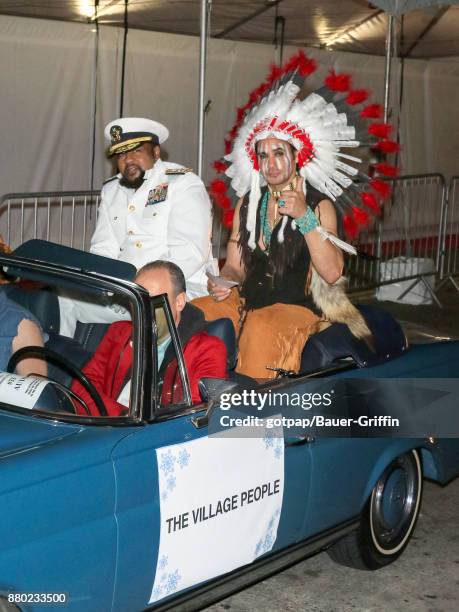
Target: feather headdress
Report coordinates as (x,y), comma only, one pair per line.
(319,127)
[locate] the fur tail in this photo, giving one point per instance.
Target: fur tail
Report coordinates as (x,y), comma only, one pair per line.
(337,307)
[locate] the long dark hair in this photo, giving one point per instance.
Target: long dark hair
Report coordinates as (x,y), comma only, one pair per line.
(282,255)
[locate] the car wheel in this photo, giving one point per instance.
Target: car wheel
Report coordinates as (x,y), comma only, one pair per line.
(388,519)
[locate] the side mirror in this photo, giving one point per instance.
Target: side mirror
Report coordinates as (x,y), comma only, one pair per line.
(211,389)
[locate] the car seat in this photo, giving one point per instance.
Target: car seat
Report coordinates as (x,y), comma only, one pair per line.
(44,305)
(335,343)
(224,329)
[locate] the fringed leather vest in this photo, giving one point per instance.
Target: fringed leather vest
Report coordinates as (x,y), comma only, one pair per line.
(279,276)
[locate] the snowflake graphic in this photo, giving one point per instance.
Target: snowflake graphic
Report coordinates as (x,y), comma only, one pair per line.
(171,483)
(183,458)
(164,495)
(162,562)
(269,439)
(173,580)
(167,462)
(163,578)
(157,592)
(269,540)
(265,544)
(278,452)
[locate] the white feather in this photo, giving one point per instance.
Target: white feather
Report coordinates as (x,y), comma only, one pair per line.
(280,234)
(344,246)
(254,198)
(350,157)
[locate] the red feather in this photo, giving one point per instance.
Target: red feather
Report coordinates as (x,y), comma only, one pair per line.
(381,130)
(387,146)
(219,166)
(240,112)
(217,187)
(306,66)
(224,201)
(386,169)
(291,64)
(338,82)
(372,111)
(228,146)
(228,217)
(357,96)
(360,216)
(382,188)
(370,201)
(274,74)
(350,226)
(255,94)
(233,132)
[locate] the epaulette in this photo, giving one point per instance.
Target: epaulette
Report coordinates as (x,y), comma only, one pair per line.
(175,171)
(112,178)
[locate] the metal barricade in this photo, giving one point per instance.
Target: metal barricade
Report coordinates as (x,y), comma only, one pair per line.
(411,227)
(449,265)
(418,223)
(66,217)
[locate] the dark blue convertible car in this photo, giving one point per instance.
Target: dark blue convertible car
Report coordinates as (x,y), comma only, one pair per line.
(180,505)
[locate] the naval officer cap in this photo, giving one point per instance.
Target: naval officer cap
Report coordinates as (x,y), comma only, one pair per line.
(129,133)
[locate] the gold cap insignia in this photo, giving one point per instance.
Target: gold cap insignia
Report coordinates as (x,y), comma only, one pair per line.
(115,133)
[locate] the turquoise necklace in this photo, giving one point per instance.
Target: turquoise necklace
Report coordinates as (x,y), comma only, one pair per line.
(265,227)
(267,232)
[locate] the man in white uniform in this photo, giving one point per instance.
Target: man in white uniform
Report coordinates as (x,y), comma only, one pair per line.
(150,210)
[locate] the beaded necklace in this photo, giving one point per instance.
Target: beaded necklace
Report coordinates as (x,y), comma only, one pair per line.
(267,232)
(265,227)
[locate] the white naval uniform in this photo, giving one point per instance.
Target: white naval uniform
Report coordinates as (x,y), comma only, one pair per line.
(177,229)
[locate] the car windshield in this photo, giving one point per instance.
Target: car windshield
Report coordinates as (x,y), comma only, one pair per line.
(52,323)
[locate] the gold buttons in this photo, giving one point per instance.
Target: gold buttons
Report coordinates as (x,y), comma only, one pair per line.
(138,245)
(131,207)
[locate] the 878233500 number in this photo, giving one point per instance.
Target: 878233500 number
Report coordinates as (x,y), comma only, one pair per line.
(43,598)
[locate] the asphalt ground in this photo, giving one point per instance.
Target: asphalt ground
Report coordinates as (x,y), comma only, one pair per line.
(425,578)
(444,321)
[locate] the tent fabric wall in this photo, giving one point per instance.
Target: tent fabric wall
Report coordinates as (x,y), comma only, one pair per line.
(46,79)
(47,84)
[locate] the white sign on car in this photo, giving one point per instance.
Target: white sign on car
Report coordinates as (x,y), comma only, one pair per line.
(220,503)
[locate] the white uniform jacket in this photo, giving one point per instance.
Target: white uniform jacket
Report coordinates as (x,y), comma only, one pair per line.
(168,217)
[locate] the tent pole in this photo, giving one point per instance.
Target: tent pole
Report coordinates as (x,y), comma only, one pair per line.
(205,10)
(389,36)
(387,69)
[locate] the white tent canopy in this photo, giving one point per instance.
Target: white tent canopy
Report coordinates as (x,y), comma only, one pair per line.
(399,7)
(431,30)
(48,76)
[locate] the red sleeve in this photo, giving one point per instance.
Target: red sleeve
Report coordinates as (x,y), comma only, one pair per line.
(99,370)
(205,357)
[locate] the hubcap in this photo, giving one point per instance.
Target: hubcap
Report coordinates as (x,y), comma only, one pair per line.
(394,503)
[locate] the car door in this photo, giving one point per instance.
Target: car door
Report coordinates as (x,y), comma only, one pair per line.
(192,506)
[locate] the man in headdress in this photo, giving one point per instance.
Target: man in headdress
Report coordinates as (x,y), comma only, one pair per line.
(284,161)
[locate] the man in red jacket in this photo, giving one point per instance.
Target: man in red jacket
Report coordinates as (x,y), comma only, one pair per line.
(110,367)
